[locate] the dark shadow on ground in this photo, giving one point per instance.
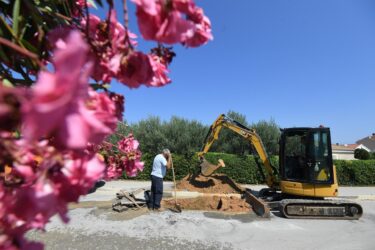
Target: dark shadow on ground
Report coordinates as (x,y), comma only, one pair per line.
(200,184)
(209,182)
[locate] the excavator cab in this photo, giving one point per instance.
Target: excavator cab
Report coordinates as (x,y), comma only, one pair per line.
(306,166)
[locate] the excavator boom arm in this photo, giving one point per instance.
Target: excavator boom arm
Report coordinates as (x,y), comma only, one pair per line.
(248,134)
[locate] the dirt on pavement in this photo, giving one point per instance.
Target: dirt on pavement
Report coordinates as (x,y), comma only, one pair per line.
(216,183)
(231,204)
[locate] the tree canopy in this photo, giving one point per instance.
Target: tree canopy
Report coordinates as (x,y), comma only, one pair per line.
(183,136)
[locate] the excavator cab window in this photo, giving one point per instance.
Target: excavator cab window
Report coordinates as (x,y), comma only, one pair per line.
(295,157)
(305,155)
(319,156)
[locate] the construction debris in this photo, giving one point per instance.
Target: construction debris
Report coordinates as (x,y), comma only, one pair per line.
(127,200)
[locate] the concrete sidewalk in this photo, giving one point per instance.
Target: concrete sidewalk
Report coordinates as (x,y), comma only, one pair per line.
(109,190)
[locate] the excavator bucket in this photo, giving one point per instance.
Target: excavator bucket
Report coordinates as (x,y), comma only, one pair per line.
(208,168)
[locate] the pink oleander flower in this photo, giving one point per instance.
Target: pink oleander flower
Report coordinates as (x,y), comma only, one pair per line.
(202,29)
(133,166)
(101,117)
(78,176)
(135,69)
(175,21)
(57,185)
(128,159)
(132,155)
(109,45)
(56,95)
(62,107)
(114,170)
(41,184)
(81,3)
(160,69)
(119,101)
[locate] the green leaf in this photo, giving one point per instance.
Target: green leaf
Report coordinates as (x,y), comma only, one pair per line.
(97,86)
(16,17)
(7,83)
(92,3)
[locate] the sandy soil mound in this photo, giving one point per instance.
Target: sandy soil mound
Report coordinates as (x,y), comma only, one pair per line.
(214,203)
(216,183)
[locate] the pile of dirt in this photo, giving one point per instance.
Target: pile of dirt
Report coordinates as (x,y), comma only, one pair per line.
(214,203)
(216,183)
(220,194)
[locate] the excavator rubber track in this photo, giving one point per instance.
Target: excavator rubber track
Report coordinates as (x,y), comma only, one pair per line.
(320,209)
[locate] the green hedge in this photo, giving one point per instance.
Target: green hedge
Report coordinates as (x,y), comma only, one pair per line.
(355,172)
(243,169)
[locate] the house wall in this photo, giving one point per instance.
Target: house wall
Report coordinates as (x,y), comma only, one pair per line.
(343,155)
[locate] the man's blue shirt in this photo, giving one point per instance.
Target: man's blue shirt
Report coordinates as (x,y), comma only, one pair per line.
(159,167)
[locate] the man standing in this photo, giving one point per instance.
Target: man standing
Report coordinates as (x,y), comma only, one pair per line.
(162,162)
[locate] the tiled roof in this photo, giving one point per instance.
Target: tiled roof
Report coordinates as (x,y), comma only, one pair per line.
(368,142)
(352,146)
(343,147)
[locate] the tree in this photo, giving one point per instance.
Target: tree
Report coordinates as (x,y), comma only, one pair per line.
(151,134)
(184,137)
(180,135)
(229,141)
(361,154)
(269,131)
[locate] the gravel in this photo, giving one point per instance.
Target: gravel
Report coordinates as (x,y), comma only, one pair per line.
(101,228)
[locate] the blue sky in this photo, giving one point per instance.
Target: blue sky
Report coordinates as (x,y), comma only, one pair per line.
(302,63)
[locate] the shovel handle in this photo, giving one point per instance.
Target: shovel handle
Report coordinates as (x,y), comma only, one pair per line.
(174,181)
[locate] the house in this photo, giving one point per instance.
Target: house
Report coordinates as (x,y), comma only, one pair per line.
(343,152)
(368,142)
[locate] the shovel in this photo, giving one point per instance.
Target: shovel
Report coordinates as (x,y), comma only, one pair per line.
(208,168)
(177,207)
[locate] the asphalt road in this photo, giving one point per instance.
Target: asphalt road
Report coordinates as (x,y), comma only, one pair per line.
(95,226)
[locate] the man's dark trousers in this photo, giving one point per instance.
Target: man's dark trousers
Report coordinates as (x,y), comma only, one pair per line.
(156,191)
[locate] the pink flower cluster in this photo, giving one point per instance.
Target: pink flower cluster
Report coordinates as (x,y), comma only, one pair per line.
(50,134)
(45,175)
(41,183)
(173,21)
(62,102)
(115,57)
(128,159)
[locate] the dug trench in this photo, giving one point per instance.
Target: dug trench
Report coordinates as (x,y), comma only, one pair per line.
(220,197)
(217,193)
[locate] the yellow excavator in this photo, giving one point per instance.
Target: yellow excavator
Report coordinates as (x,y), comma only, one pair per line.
(306,176)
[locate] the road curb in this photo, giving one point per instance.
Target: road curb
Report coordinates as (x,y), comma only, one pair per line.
(359,197)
